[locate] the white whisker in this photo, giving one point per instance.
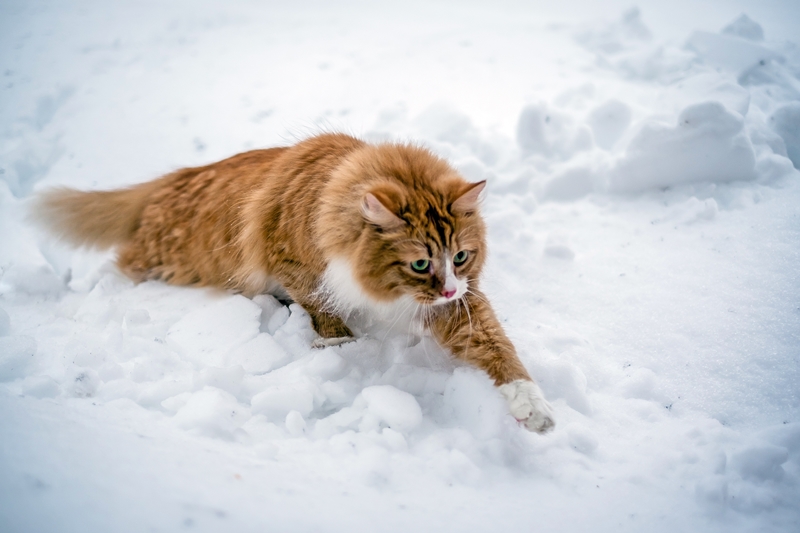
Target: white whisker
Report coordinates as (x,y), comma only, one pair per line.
(399,314)
(427,312)
(469,319)
(478,296)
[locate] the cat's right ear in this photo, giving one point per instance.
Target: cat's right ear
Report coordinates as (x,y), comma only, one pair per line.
(376,212)
(469,199)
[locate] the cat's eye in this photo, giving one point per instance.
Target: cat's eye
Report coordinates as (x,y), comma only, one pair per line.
(460,258)
(420,265)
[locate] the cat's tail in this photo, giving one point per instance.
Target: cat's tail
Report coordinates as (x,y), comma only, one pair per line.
(96,219)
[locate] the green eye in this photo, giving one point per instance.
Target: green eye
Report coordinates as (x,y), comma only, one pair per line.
(420,265)
(460,257)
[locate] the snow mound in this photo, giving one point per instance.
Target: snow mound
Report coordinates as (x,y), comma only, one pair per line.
(279,400)
(760,463)
(208,334)
(608,122)
(5,323)
(16,356)
(728,52)
(398,409)
(785,120)
(545,131)
(746,28)
(209,411)
(707,144)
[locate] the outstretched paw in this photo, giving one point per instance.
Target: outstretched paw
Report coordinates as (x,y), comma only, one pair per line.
(323,342)
(527,404)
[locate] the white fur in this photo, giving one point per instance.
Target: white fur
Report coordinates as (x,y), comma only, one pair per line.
(451,282)
(340,289)
(343,294)
(527,404)
(322,342)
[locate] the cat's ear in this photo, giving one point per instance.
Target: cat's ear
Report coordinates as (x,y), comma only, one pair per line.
(375,211)
(469,199)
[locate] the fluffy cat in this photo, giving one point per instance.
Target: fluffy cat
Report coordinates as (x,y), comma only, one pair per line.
(336,223)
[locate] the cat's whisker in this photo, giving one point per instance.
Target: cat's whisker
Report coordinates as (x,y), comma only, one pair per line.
(469,337)
(399,313)
(428,318)
(477,296)
(411,324)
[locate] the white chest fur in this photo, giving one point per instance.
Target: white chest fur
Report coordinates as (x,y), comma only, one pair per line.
(344,295)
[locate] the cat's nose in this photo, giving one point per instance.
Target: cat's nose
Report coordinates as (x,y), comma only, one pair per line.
(448,293)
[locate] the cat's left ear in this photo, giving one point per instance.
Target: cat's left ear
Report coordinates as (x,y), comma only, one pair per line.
(468,200)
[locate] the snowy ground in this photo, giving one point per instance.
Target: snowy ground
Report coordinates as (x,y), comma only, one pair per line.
(645,241)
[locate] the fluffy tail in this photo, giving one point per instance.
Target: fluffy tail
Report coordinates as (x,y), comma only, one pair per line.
(97,219)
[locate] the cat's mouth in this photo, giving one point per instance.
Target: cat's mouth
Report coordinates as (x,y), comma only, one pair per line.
(445,297)
(441,300)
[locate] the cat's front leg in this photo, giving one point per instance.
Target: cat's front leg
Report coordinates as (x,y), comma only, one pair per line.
(527,404)
(331,328)
(302,289)
(471,331)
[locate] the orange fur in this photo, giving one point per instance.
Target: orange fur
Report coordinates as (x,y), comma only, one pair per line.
(282,215)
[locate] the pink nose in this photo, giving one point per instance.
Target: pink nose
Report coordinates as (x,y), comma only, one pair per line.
(448,294)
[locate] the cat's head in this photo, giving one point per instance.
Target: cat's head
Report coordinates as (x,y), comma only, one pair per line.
(413,226)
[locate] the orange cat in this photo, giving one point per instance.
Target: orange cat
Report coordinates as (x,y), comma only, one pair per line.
(337,224)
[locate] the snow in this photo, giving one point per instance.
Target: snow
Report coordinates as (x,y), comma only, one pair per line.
(398,409)
(644,241)
(785,121)
(706,144)
(746,28)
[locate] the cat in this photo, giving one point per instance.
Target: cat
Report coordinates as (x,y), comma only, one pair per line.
(336,223)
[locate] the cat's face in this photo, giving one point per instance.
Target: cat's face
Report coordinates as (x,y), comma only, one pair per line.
(407,223)
(427,244)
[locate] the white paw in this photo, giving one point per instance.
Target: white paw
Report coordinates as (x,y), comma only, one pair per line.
(322,342)
(527,404)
